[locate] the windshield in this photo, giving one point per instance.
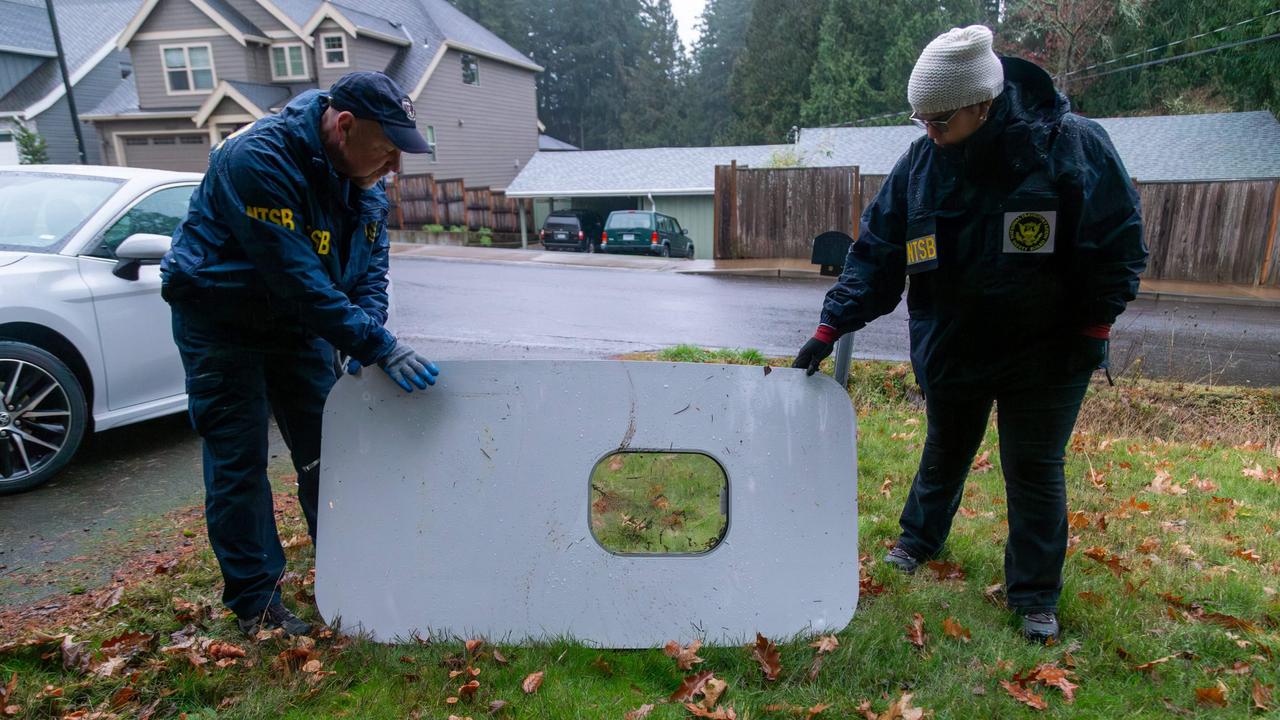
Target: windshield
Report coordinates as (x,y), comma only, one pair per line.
(631,220)
(40,211)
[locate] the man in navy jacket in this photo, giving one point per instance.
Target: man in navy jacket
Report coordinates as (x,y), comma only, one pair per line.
(280,264)
(1019,230)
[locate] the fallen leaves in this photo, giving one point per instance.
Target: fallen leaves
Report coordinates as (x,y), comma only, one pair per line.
(1112,562)
(953,629)
(691,687)
(982,463)
(1213,696)
(766,654)
(915,631)
(6,697)
(532,682)
(823,646)
(1164,484)
(686,657)
(945,570)
(1023,695)
(1261,695)
(639,713)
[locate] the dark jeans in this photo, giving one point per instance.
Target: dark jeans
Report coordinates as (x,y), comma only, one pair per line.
(1035,421)
(236,378)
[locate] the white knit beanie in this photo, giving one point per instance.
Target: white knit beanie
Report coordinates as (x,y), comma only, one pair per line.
(956,70)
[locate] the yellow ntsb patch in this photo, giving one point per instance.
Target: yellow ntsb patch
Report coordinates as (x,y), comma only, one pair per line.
(320,241)
(371,231)
(922,250)
(279,216)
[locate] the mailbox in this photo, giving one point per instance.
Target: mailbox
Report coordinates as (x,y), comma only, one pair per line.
(829,251)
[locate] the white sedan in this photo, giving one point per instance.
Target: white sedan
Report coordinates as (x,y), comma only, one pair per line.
(85,339)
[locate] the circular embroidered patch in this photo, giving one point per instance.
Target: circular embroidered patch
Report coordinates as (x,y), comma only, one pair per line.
(1029,231)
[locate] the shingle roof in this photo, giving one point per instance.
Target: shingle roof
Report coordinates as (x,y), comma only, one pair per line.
(266,97)
(661,171)
(1169,148)
(457,27)
(86,27)
(374,23)
(123,100)
(233,16)
(25,27)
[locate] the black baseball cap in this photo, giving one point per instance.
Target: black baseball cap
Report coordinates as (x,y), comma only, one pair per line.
(374,96)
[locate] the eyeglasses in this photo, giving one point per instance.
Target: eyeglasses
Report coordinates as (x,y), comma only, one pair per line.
(939,125)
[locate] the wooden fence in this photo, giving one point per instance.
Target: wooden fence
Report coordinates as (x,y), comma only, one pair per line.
(1213,232)
(423,200)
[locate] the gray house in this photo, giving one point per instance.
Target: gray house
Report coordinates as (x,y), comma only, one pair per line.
(203,68)
(31,89)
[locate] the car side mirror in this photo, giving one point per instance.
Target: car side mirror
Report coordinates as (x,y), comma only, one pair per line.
(139,249)
(684,231)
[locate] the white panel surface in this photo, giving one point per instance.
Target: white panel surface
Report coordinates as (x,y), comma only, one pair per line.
(464,510)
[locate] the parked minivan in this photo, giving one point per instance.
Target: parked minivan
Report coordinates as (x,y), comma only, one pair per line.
(645,231)
(571,230)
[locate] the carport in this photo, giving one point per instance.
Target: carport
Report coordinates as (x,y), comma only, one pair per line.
(679,182)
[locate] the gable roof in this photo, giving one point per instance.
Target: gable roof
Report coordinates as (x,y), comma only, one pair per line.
(88,29)
(221,12)
(26,28)
(1167,148)
(256,99)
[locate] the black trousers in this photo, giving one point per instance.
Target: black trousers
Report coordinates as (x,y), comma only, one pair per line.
(237,377)
(1035,421)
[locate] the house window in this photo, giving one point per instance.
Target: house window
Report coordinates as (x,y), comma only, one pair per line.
(431,140)
(470,70)
(188,69)
(334,49)
(288,62)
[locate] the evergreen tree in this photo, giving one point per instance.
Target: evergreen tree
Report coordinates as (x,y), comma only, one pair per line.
(32,148)
(654,114)
(770,81)
(722,35)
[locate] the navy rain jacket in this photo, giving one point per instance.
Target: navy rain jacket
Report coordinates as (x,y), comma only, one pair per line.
(1013,241)
(275,238)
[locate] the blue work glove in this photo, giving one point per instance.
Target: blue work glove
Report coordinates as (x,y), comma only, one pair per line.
(406,366)
(353,367)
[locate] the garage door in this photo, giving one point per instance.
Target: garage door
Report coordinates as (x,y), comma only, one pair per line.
(167,152)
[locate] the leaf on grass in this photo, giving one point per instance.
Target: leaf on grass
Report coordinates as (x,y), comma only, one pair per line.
(532,682)
(1078,520)
(691,686)
(946,570)
(468,691)
(297,541)
(712,691)
(7,690)
(602,665)
(816,666)
(766,653)
(686,657)
(123,696)
(1051,675)
(109,667)
(1205,485)
(498,657)
(639,713)
(473,646)
(1093,598)
(220,650)
(1216,696)
(956,630)
(75,656)
(915,631)
(497,706)
(983,462)
(1164,484)
(1261,695)
(902,709)
(825,644)
(1148,546)
(1024,695)
(111,599)
(720,713)
(1249,554)
(1112,562)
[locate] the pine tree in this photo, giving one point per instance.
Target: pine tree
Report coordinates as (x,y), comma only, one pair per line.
(32,148)
(771,79)
(654,115)
(722,35)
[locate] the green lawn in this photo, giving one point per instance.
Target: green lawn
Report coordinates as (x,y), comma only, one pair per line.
(1170,607)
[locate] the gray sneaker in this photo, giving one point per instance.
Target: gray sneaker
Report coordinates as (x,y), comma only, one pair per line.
(902,560)
(275,616)
(1041,627)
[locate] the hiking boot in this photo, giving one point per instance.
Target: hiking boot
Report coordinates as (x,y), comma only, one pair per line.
(1041,627)
(275,616)
(902,560)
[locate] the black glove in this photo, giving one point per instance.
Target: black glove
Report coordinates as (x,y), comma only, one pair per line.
(1087,354)
(812,355)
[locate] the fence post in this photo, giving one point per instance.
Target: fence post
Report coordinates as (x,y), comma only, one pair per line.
(731,241)
(857,202)
(1264,275)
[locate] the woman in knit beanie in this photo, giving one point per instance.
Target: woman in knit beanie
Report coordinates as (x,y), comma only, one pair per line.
(1019,230)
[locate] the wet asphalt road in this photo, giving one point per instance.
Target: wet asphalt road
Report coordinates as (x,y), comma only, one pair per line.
(460,310)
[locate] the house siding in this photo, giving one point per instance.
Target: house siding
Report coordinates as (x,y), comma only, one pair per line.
(256,14)
(55,123)
(325,77)
(14,68)
(484,133)
(231,61)
(371,54)
(696,213)
(177,15)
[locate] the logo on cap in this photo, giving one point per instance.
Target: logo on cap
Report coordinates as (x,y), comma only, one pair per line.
(408,109)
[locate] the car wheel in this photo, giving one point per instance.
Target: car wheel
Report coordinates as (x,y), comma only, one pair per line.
(665,251)
(43,416)
(689,255)
(591,248)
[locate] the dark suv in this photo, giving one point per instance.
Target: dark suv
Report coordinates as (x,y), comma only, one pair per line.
(645,231)
(571,230)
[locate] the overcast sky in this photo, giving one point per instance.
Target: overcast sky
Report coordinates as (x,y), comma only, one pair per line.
(687,13)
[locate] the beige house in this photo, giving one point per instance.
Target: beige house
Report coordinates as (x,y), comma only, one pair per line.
(204,68)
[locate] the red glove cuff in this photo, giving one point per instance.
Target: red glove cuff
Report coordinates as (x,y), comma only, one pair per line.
(826,334)
(1101,332)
